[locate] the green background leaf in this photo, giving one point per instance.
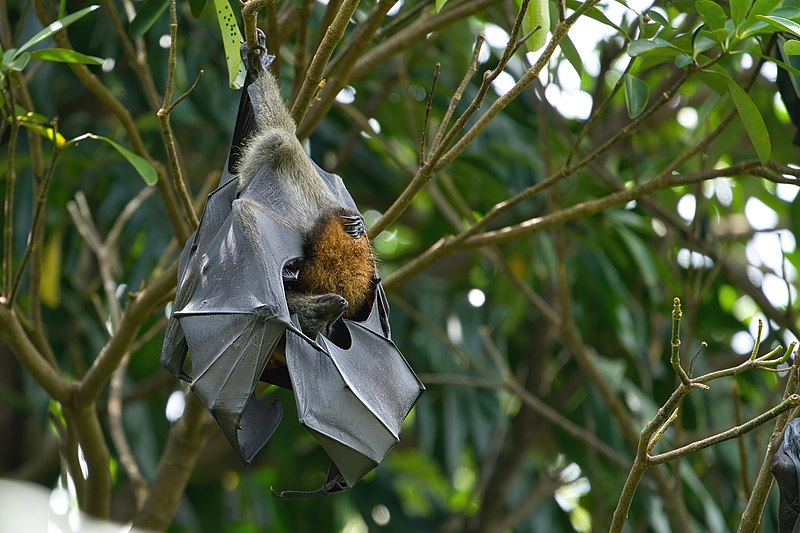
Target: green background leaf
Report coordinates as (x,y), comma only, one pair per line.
(62,55)
(753,121)
(147,13)
(636,95)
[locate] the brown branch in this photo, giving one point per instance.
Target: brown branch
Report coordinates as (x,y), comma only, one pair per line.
(250,20)
(30,358)
(186,440)
(137,311)
(316,68)
(751,517)
(787,404)
(126,457)
(11,180)
(163,115)
(101,92)
(97,498)
(415,32)
(338,71)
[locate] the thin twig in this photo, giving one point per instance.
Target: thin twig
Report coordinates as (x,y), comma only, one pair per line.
(118,437)
(249,17)
(11,180)
(37,222)
(96,87)
(163,115)
(426,121)
(316,68)
(458,94)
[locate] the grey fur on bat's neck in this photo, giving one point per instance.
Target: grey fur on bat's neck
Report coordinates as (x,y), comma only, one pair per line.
(296,187)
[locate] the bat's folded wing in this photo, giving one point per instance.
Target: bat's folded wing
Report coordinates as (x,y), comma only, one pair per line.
(352,398)
(232,312)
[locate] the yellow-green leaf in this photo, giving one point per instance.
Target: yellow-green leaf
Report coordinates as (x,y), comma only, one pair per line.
(50,288)
(45,131)
(231,40)
(538,13)
(792,47)
(63,55)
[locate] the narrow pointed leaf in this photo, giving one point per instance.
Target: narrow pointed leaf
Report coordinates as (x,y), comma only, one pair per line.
(782,24)
(56,26)
(231,39)
(636,95)
(45,131)
(140,164)
(572,54)
(753,121)
(63,55)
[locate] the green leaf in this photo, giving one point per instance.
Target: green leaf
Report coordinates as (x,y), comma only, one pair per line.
(683,61)
(782,24)
(739,10)
(642,256)
(753,121)
(231,39)
(636,95)
(711,13)
(197,7)
(45,131)
(17,61)
(641,46)
(146,16)
(599,16)
(140,164)
(56,26)
(439,4)
(572,54)
(752,26)
(63,55)
(538,13)
(655,16)
(792,47)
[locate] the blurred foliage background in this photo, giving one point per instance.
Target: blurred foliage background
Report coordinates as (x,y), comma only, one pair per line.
(480,323)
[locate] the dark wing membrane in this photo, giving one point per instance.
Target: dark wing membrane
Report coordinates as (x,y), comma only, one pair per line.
(245,124)
(336,186)
(216,211)
(352,400)
(233,316)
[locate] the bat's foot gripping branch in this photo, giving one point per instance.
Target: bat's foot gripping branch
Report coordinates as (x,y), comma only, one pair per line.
(256,58)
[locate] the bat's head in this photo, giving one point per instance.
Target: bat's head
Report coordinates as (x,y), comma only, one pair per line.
(316,312)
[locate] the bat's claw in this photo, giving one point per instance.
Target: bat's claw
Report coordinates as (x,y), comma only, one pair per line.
(353,225)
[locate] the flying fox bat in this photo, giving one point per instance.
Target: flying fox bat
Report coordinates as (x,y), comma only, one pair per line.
(279,284)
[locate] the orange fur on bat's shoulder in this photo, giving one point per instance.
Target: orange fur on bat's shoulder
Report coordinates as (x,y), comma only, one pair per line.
(335,262)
